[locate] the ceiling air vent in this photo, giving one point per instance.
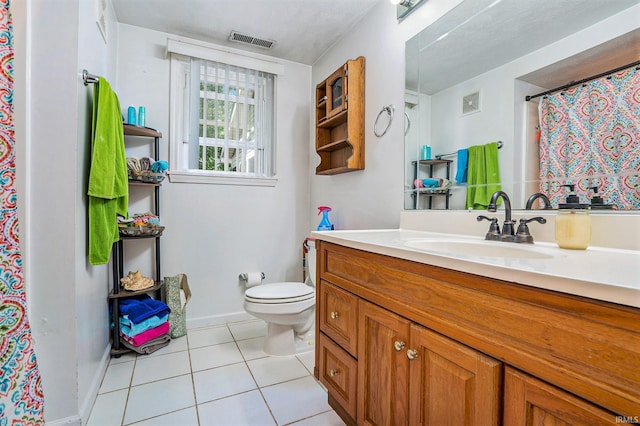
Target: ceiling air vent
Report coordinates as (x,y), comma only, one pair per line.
(250,40)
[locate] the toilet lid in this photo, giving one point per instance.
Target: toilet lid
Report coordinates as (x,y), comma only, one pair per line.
(280,293)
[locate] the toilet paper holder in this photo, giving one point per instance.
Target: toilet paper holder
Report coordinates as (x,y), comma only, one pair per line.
(245,276)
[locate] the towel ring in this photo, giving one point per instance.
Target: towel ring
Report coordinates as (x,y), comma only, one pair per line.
(408,123)
(389,110)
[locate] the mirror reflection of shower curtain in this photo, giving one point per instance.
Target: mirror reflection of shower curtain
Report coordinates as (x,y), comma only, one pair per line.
(21,398)
(590,136)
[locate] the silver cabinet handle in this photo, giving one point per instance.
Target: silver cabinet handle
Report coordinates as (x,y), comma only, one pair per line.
(398,345)
(412,354)
(333,372)
(334,315)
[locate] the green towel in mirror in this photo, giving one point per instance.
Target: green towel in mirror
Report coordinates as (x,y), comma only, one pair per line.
(483,177)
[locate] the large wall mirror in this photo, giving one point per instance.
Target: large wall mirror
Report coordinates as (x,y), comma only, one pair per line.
(467,76)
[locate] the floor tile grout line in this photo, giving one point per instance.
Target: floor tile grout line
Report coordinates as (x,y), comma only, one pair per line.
(193,382)
(258,388)
(158,416)
(306,418)
(126,402)
(264,399)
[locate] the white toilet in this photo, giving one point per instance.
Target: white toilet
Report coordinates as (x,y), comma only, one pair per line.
(289,310)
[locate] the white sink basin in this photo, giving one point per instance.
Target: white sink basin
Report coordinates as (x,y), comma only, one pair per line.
(480,248)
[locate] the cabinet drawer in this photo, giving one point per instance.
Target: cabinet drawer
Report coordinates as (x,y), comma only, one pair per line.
(338,316)
(338,372)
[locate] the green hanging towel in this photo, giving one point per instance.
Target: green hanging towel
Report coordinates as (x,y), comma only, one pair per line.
(483,175)
(108,178)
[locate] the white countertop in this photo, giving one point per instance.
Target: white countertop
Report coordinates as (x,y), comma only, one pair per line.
(611,275)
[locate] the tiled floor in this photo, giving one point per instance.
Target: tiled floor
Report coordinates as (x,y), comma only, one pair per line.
(213,376)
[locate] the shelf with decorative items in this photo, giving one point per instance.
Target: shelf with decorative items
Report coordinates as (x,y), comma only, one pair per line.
(436,186)
(340,119)
(144,226)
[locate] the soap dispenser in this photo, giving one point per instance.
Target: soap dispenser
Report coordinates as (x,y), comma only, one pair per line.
(597,203)
(573,224)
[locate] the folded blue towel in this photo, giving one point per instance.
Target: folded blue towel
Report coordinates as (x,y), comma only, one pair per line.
(139,309)
(131,329)
(431,183)
(463,161)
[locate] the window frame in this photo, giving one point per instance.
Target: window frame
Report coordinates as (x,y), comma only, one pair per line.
(180,54)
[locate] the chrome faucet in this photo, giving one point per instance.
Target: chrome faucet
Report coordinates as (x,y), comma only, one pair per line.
(534,197)
(508,233)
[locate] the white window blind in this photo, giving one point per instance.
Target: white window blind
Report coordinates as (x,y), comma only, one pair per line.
(223,117)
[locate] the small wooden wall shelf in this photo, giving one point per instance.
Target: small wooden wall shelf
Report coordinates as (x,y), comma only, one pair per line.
(340,119)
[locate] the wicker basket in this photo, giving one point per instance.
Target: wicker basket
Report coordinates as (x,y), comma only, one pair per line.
(146,176)
(139,231)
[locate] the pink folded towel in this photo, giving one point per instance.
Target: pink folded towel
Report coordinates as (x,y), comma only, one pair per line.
(145,336)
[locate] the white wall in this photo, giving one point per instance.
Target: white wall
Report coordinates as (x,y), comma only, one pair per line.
(215,232)
(92,282)
(66,297)
(373,197)
(50,245)
(49,262)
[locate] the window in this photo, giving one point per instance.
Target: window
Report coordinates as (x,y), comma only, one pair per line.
(223,120)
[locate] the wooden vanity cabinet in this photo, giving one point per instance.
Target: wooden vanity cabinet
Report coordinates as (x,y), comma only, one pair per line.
(438,347)
(406,374)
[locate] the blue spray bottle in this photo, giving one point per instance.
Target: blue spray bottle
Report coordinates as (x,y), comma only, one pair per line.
(325,224)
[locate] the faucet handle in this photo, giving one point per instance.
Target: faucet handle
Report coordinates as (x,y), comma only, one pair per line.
(494,228)
(537,219)
(523,235)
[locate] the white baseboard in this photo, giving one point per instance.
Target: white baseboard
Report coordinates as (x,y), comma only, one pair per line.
(218,319)
(89,399)
(73,420)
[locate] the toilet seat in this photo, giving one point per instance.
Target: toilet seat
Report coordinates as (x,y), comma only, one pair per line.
(286,292)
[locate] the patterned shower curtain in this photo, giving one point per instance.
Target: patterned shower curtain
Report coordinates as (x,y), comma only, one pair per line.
(21,399)
(590,136)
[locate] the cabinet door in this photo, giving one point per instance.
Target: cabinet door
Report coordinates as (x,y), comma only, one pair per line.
(383,367)
(452,384)
(532,402)
(337,92)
